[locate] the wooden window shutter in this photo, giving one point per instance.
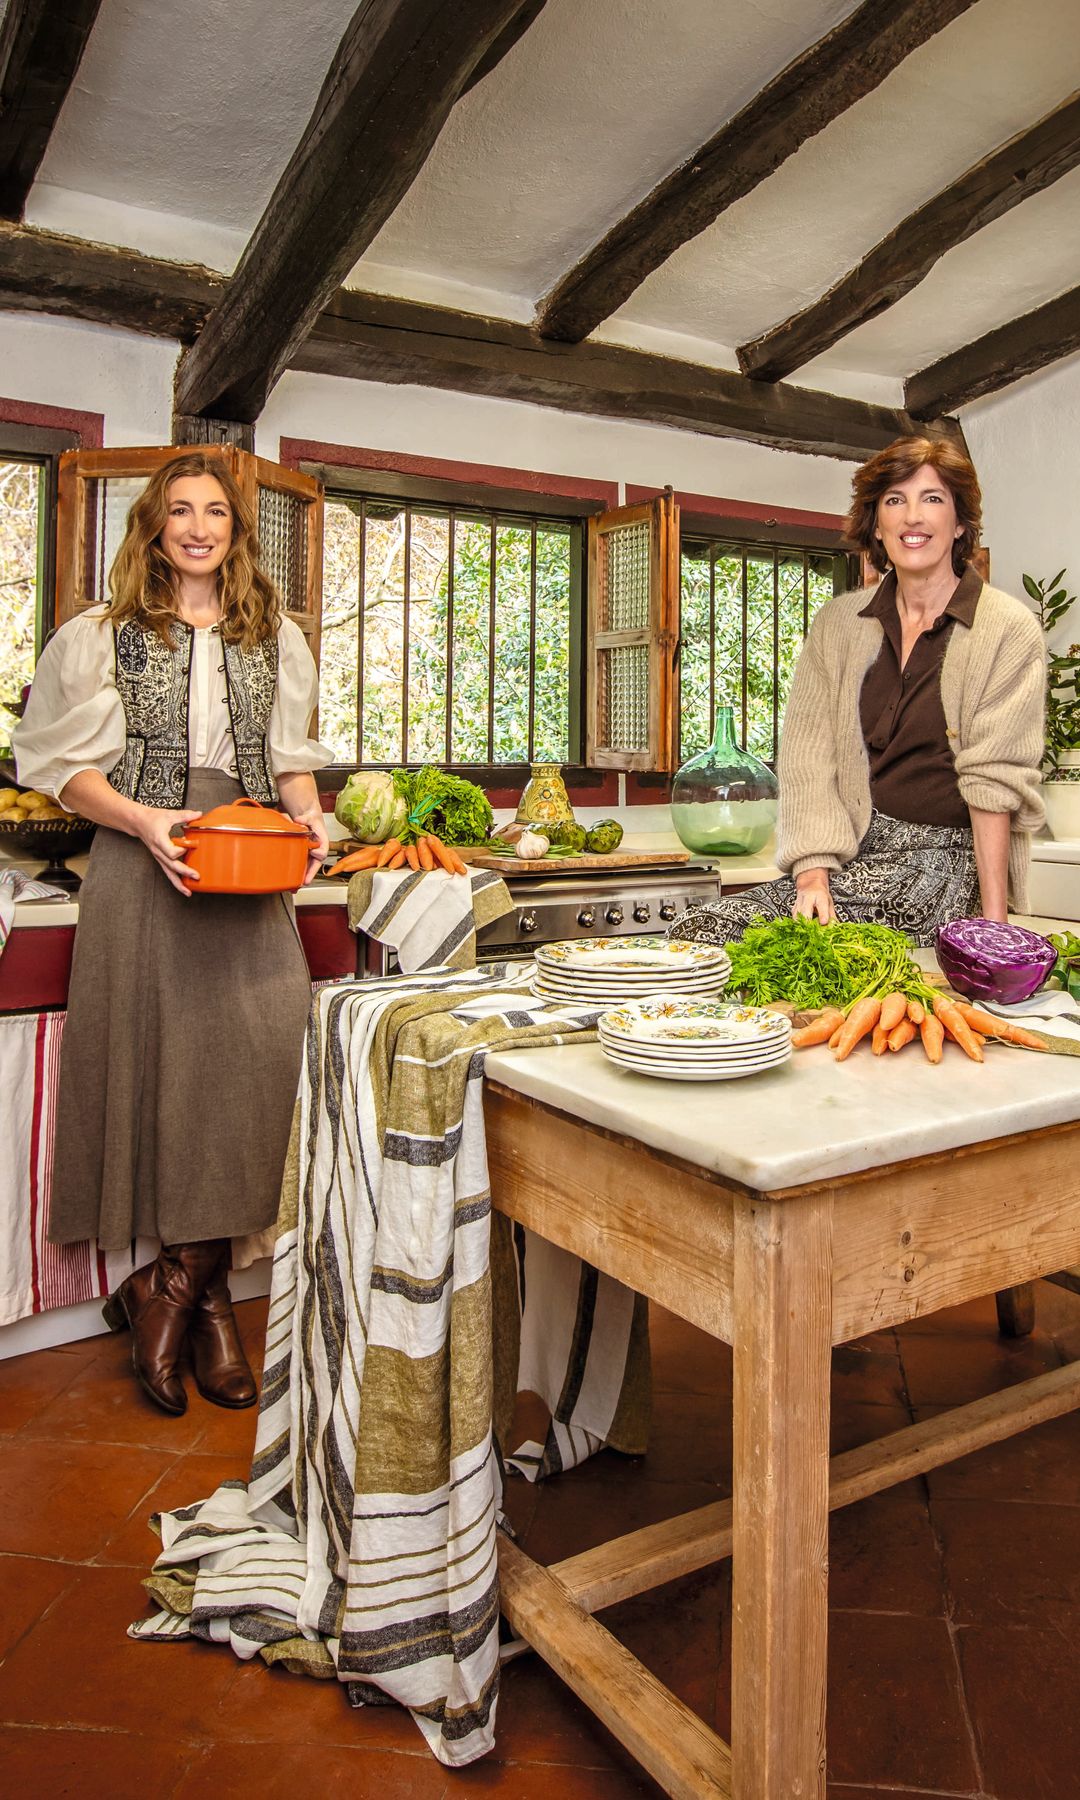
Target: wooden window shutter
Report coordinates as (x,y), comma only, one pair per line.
(633,636)
(97,487)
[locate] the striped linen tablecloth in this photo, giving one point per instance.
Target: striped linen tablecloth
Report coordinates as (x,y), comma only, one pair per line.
(36,1276)
(364,1544)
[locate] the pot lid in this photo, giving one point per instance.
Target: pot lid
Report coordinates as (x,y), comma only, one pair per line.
(247,816)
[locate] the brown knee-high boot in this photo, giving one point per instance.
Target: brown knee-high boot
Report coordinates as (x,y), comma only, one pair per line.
(222,1371)
(157,1302)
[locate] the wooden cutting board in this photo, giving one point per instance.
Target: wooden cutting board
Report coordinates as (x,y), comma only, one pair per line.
(588,861)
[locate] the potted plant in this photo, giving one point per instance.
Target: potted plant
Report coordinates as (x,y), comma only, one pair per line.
(1061,760)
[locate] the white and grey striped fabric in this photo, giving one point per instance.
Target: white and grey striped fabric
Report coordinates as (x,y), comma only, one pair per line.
(431,918)
(364,1545)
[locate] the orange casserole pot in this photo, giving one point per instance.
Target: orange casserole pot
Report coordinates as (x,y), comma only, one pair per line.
(246,848)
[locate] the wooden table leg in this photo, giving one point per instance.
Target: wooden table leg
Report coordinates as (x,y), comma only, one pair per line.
(783,1333)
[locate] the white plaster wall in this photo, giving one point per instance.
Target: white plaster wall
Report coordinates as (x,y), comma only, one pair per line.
(430,422)
(1025,443)
(94,368)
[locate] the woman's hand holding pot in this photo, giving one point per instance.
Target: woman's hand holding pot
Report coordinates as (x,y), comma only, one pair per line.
(315,820)
(155,825)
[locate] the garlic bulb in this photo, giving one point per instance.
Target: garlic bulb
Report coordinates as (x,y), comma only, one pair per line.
(530,846)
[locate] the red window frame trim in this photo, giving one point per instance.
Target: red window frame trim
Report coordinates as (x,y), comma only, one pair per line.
(88,427)
(751,510)
(294,451)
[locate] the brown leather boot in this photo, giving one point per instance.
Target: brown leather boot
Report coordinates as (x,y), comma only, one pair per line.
(157,1303)
(222,1371)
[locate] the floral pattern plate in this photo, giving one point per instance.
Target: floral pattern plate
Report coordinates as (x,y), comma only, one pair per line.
(732,1070)
(604,955)
(715,1023)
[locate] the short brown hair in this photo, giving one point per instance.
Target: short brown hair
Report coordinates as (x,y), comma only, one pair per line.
(898,462)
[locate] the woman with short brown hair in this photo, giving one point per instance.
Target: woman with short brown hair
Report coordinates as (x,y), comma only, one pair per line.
(913,735)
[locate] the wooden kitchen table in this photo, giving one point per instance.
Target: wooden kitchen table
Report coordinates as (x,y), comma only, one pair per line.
(784,1213)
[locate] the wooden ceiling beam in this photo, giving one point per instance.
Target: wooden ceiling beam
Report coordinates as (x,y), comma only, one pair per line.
(995,361)
(397,73)
(41,46)
(527,11)
(46,272)
(1029,162)
(824,81)
(371,338)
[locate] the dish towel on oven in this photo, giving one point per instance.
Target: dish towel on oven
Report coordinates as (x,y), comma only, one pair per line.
(431,918)
(364,1544)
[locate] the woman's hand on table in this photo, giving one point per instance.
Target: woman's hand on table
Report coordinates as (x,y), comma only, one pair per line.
(154,826)
(813,896)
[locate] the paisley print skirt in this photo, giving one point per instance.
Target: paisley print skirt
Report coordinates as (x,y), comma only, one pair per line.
(912,877)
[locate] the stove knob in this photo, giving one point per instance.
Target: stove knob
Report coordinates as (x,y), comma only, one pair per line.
(527,922)
(667,909)
(587,916)
(614,915)
(643,912)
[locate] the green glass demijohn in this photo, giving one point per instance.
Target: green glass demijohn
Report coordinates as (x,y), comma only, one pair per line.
(723,802)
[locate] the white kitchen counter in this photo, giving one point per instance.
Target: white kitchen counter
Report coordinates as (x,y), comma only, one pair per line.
(811,1118)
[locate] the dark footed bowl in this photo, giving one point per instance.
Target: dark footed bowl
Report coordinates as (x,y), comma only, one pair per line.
(53,840)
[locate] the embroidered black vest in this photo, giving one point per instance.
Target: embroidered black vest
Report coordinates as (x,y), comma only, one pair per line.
(154,684)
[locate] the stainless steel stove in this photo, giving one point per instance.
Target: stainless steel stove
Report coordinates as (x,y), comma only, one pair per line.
(618,903)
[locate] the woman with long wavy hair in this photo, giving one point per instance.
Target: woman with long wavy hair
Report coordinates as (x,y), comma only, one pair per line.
(186,1015)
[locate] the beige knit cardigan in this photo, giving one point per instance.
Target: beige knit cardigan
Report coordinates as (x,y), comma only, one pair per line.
(993,680)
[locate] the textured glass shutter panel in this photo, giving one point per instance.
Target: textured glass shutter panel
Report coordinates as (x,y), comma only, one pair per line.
(289,515)
(633,597)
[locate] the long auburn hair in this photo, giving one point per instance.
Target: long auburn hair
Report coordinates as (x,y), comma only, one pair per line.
(146,588)
(898,462)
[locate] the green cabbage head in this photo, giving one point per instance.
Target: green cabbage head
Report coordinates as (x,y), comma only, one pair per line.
(370,808)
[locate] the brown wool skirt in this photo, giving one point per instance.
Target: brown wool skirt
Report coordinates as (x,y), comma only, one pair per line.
(181,1052)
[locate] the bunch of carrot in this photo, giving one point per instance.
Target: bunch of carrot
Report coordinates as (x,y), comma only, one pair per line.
(428,852)
(897,1019)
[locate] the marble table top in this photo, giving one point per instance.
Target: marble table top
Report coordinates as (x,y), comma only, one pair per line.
(812,1117)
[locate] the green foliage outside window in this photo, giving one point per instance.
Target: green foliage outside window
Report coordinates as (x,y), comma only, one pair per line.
(767,600)
(372,549)
(19,520)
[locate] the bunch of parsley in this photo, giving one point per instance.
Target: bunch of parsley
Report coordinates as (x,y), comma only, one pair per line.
(457,811)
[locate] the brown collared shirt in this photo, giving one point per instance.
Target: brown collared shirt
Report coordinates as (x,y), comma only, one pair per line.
(912,771)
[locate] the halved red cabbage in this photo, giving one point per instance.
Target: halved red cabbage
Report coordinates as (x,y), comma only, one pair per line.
(989,961)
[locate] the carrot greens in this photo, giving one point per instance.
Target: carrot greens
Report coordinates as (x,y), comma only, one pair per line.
(815,965)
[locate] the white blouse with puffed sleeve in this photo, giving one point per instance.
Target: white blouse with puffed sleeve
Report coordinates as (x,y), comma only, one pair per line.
(74,719)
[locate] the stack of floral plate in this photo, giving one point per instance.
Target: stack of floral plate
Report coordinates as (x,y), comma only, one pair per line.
(694,1040)
(600,970)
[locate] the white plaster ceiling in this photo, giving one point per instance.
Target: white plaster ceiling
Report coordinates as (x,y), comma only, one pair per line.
(193,106)
(183,116)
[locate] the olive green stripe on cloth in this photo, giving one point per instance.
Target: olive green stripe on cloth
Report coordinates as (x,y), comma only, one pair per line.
(431,919)
(367,1530)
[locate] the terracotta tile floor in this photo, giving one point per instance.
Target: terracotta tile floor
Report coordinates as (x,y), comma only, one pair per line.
(955,1628)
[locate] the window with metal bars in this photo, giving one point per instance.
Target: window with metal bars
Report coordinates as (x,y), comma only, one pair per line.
(450,634)
(745,610)
(28,461)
